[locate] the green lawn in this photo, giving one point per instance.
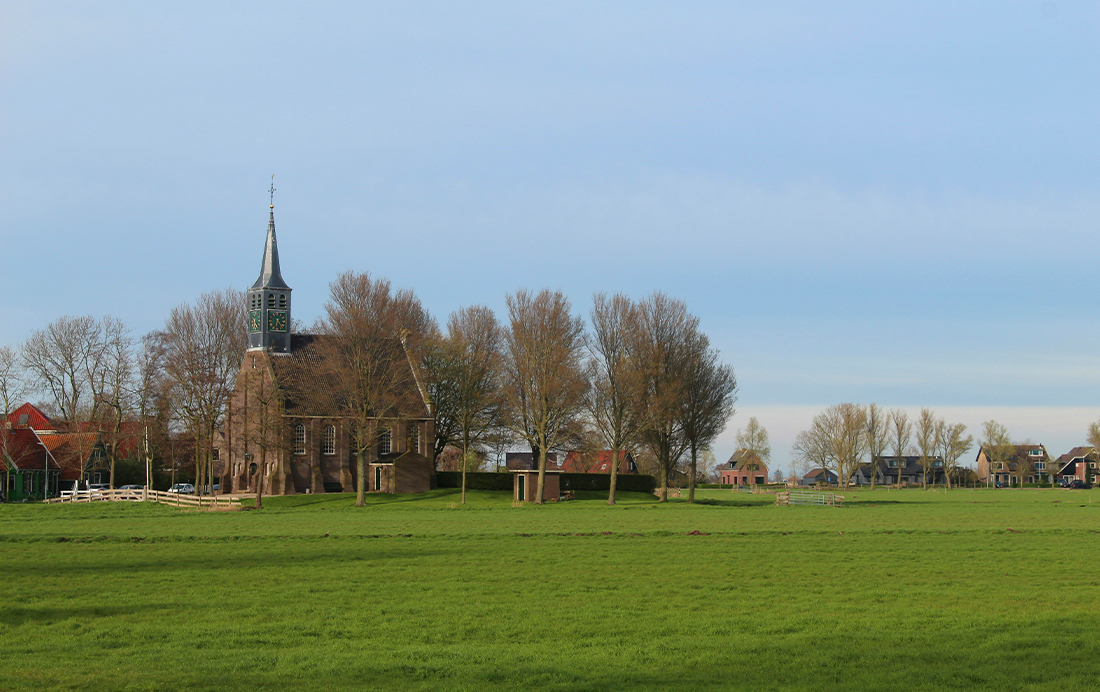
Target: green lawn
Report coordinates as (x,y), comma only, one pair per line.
(906,590)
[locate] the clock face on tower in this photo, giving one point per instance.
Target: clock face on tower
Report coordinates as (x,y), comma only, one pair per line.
(276,320)
(255,322)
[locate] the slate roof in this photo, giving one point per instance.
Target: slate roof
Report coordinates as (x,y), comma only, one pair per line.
(310,386)
(270,274)
(1075,454)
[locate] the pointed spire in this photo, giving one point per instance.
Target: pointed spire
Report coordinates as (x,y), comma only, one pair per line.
(270,276)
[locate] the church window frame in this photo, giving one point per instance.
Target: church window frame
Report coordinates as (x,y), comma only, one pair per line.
(299,439)
(328,440)
(282,301)
(271,301)
(412,434)
(385,441)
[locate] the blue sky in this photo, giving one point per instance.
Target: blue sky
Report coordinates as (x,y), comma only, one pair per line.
(893,202)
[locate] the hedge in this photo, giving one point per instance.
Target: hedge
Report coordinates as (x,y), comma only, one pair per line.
(627,482)
(475,480)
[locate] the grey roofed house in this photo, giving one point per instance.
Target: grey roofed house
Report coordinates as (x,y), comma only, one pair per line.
(818,475)
(911,470)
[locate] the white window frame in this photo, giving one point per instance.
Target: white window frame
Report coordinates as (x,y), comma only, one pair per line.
(299,439)
(385,441)
(328,441)
(412,433)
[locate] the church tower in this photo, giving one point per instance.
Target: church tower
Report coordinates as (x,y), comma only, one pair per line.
(269,299)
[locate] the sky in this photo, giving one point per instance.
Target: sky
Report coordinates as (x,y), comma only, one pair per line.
(890,202)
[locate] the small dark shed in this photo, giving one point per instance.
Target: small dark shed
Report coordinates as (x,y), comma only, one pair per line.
(526,486)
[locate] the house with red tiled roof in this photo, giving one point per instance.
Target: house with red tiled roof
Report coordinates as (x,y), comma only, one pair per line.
(598,462)
(35,455)
(28,416)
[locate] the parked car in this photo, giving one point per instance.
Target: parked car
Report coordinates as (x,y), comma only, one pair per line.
(182,489)
(99,486)
(132,492)
(1079,484)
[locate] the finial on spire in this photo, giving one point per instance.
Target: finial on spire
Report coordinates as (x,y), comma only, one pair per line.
(272,190)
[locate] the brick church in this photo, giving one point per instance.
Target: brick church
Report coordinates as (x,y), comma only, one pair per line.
(283,419)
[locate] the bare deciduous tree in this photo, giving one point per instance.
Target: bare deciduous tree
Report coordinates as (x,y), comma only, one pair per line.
(615,396)
(952,445)
(710,391)
(665,334)
(901,435)
(754,438)
(465,372)
(116,386)
(877,431)
(998,448)
(544,380)
(926,442)
(373,330)
(13,387)
(203,346)
(836,440)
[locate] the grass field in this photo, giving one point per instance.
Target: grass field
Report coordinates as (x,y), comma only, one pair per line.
(905,590)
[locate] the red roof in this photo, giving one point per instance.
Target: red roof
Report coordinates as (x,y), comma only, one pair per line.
(36,420)
(26,451)
(595,462)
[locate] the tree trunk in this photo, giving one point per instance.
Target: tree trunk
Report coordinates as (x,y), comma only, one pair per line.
(361,481)
(465,446)
(540,487)
(664,483)
(260,479)
(691,479)
(614,475)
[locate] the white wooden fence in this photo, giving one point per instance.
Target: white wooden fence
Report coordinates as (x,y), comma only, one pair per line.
(797,497)
(144,495)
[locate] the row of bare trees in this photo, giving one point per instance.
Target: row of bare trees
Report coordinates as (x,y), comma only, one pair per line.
(93,376)
(845,436)
(643,376)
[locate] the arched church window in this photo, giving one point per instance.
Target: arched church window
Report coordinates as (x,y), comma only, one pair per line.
(413,435)
(282,301)
(328,440)
(299,439)
(270,300)
(384,441)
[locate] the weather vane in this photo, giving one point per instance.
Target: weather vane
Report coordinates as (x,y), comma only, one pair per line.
(272,190)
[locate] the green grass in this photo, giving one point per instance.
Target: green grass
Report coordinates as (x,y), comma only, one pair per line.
(905,590)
